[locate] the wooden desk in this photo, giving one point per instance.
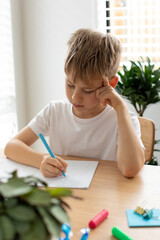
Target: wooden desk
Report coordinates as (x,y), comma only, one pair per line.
(110,190)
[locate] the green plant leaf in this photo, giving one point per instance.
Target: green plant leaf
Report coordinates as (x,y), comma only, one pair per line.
(28,209)
(38,197)
(10,202)
(37,232)
(156,150)
(64,204)
(59,213)
(22,213)
(7,227)
(33,180)
(14,187)
(53,227)
(55,201)
(153,161)
(59,192)
(157,141)
(1,234)
(140,84)
(21,227)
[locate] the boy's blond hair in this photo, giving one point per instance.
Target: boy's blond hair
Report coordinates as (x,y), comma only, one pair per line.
(92,54)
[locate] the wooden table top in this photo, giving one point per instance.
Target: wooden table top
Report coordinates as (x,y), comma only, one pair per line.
(110,190)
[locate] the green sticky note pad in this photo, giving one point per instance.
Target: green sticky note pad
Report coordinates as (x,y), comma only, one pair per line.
(135,220)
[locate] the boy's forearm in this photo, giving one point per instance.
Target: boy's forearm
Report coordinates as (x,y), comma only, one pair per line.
(130,155)
(20,152)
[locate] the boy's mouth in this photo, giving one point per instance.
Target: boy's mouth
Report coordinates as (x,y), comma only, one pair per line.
(77,105)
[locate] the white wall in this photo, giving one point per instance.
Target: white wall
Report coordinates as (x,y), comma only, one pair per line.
(46,26)
(41,29)
(18,52)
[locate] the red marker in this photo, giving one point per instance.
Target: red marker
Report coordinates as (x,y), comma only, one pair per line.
(98,218)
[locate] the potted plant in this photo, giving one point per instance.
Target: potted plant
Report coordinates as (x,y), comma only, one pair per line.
(28,212)
(140,84)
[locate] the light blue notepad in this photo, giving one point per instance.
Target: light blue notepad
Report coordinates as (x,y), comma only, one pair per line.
(135,220)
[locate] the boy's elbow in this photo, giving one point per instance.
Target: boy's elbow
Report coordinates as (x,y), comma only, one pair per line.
(129,173)
(132,170)
(7,149)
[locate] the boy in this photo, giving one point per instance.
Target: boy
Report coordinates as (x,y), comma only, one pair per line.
(94,122)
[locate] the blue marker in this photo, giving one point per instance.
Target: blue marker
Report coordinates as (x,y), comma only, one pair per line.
(66,229)
(85,233)
(48,148)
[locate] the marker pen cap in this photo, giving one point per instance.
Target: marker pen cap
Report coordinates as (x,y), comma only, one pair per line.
(119,234)
(98,218)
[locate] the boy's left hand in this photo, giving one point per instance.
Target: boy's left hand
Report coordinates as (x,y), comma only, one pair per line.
(107,95)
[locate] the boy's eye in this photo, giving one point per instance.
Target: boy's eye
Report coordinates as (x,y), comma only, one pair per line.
(70,85)
(88,92)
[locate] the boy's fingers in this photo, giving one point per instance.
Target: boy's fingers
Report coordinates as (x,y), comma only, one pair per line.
(49,170)
(50,174)
(105,82)
(53,170)
(62,161)
(54,162)
(103,91)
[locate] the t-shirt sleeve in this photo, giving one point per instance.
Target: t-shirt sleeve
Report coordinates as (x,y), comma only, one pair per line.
(41,122)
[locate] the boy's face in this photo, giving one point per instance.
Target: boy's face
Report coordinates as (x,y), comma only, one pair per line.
(83,97)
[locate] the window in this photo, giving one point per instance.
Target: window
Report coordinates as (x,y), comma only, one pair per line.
(8,119)
(137,25)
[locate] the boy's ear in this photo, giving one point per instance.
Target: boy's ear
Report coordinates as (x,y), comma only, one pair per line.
(113,82)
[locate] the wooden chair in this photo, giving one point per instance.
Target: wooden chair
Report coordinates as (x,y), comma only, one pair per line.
(147,136)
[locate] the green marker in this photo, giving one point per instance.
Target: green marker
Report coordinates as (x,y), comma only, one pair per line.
(119,234)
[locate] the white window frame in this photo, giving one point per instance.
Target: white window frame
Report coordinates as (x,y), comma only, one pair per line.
(142,35)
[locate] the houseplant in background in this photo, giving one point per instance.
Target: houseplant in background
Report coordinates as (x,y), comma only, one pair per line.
(140,84)
(31,213)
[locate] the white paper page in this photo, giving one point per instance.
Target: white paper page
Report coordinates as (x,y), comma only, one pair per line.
(7,166)
(79,173)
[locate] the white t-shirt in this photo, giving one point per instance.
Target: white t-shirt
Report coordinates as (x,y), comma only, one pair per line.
(95,137)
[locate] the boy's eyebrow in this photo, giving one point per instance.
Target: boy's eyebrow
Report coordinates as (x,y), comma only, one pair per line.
(69,81)
(93,88)
(86,87)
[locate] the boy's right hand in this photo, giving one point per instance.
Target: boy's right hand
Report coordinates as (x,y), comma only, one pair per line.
(107,94)
(51,167)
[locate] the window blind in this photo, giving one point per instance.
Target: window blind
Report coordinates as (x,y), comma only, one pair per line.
(137,25)
(8,118)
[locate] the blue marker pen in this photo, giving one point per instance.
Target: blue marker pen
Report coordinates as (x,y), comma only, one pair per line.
(85,233)
(48,148)
(66,229)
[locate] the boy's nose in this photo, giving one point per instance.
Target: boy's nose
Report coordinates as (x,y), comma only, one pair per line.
(76,97)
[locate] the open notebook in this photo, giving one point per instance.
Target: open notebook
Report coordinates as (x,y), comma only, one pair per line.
(79,173)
